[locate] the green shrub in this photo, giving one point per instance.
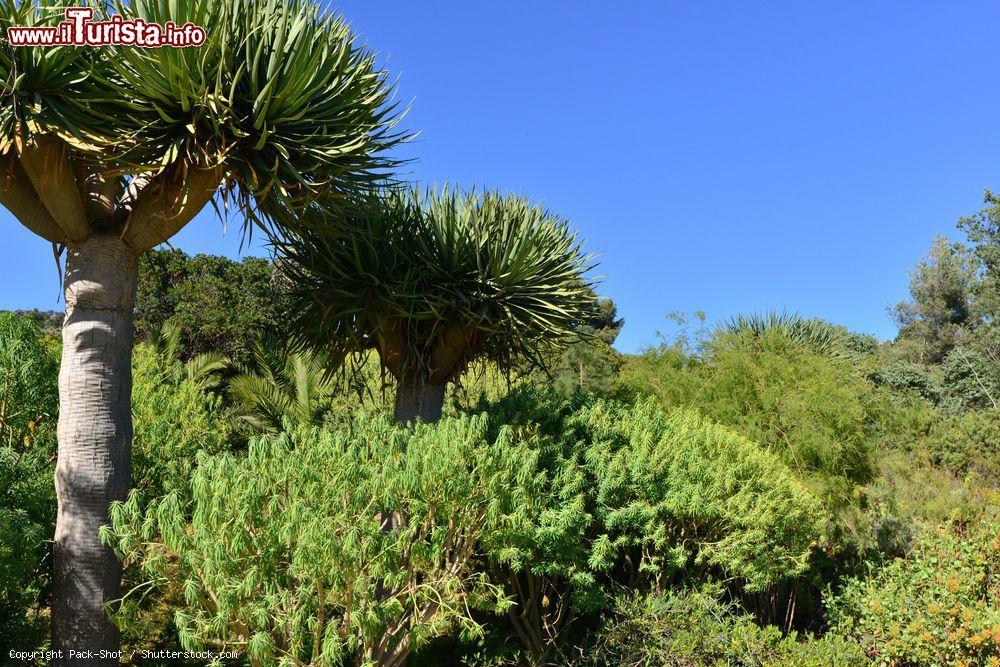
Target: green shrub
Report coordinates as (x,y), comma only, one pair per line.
(811,408)
(800,391)
(543,561)
(693,628)
(286,554)
(174,417)
(903,421)
(968,444)
(905,377)
(28,416)
(640,497)
(967,380)
(677,491)
(940,605)
(218,305)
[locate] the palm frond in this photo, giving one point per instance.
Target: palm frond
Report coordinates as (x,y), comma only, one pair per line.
(281,387)
(205,367)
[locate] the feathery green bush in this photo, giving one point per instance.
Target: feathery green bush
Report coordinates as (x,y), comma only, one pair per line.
(174,417)
(285,554)
(679,491)
(28,415)
(812,409)
(640,497)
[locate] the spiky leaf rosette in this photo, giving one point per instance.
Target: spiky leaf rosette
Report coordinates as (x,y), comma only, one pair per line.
(815,334)
(280,90)
(280,103)
(434,280)
(61,90)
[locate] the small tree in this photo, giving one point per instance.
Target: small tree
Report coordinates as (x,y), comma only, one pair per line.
(942,309)
(591,364)
(108,152)
(436,281)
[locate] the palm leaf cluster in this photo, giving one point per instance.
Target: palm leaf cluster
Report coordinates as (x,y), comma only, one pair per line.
(280,389)
(433,280)
(205,369)
(281,95)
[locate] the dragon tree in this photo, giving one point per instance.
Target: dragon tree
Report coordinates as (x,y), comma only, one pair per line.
(433,281)
(107,152)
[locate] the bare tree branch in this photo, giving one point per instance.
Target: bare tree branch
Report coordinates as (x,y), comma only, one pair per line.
(167,203)
(101,193)
(46,162)
(19,197)
(134,189)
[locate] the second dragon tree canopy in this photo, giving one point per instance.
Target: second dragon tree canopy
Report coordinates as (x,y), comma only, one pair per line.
(433,280)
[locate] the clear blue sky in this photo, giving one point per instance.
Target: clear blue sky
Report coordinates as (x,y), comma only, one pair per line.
(728,157)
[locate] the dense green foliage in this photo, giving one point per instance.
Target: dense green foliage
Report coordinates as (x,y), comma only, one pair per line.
(983,230)
(28,413)
(635,496)
(174,419)
(489,516)
(811,408)
(217,305)
(676,490)
(287,547)
(942,303)
(938,606)
(695,629)
(281,389)
(773,491)
(50,321)
(968,445)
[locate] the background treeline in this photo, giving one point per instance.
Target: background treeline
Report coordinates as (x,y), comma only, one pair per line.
(773,490)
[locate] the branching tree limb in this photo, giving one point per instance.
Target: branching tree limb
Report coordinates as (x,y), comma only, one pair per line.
(45,159)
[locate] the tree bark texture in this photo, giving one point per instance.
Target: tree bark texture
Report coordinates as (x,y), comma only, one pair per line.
(417,398)
(95,442)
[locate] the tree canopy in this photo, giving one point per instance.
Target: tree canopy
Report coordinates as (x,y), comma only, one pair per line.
(279,103)
(436,280)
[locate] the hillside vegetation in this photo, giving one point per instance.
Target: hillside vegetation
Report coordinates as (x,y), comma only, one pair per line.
(773,490)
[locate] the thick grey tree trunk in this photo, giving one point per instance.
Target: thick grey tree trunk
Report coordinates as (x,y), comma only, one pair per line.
(415,398)
(95,443)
